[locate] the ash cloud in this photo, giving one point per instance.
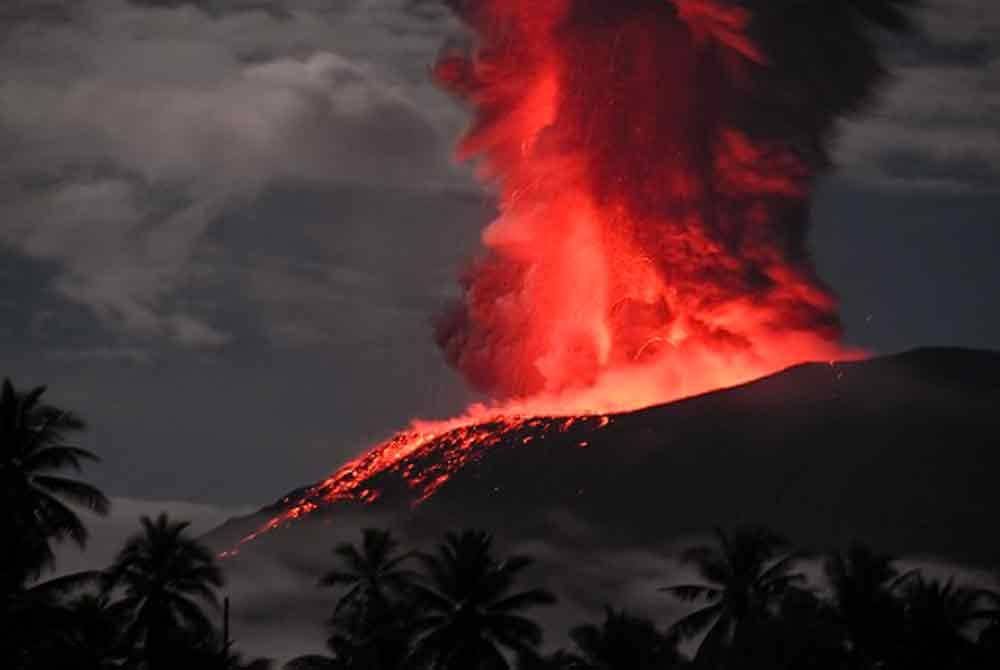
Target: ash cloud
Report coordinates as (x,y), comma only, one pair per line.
(672,150)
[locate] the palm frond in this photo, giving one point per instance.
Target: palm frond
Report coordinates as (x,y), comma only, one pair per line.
(339,578)
(66,584)
(523,600)
(692,592)
(903,579)
(193,616)
(781,567)
(515,631)
(57,458)
(77,492)
(60,521)
(696,622)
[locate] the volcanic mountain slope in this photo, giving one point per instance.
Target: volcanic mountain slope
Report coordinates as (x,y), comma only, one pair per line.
(901,452)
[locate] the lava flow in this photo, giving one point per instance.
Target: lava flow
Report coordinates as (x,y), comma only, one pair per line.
(653,162)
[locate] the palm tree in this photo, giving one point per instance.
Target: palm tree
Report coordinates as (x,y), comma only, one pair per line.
(471,611)
(36,498)
(864,588)
(623,642)
(369,624)
(940,617)
(92,640)
(39,628)
(746,573)
(373,574)
(802,633)
(165,578)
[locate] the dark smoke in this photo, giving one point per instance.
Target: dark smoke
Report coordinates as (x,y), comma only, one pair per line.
(705,123)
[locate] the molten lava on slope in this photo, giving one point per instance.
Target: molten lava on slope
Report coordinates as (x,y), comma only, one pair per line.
(425,458)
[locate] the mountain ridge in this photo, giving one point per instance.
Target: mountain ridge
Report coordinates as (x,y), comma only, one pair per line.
(721,440)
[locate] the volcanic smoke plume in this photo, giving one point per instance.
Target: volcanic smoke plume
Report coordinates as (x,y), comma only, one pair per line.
(654,161)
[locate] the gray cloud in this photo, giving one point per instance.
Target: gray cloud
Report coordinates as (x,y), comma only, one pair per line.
(131,129)
(937,126)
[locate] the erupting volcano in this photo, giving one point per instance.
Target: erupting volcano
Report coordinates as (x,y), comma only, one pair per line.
(653,161)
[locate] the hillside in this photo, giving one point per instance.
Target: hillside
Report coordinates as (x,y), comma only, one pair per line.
(899,451)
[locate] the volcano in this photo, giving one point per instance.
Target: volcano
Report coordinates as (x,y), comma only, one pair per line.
(651,242)
(653,163)
(897,451)
(900,451)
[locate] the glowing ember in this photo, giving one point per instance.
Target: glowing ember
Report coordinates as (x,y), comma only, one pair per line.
(653,162)
(440,449)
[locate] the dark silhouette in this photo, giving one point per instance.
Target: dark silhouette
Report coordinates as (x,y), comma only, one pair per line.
(37,625)
(801,632)
(93,640)
(166,577)
(746,573)
(369,626)
(374,574)
(313,662)
(37,511)
(36,501)
(940,618)
(865,595)
(622,642)
(557,660)
(469,612)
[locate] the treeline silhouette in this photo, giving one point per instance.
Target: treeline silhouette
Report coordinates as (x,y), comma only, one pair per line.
(460,606)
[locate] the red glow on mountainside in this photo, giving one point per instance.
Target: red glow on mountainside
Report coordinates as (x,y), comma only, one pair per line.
(424,456)
(651,241)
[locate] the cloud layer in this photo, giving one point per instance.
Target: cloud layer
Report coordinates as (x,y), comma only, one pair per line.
(937,127)
(130,128)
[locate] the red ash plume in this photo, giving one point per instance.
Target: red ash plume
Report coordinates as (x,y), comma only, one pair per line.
(653,164)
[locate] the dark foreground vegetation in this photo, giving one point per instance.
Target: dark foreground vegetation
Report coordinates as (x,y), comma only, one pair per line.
(459,606)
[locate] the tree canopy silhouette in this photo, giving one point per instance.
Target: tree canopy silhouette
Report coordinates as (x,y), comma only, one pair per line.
(373,573)
(37,498)
(166,578)
(940,617)
(622,642)
(865,593)
(470,611)
(369,625)
(746,572)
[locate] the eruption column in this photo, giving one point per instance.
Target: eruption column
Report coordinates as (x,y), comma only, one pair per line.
(653,161)
(651,241)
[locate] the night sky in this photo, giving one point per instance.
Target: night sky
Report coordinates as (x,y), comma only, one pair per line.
(226,225)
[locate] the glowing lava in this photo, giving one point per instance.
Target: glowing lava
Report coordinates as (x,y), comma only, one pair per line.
(653,162)
(439,449)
